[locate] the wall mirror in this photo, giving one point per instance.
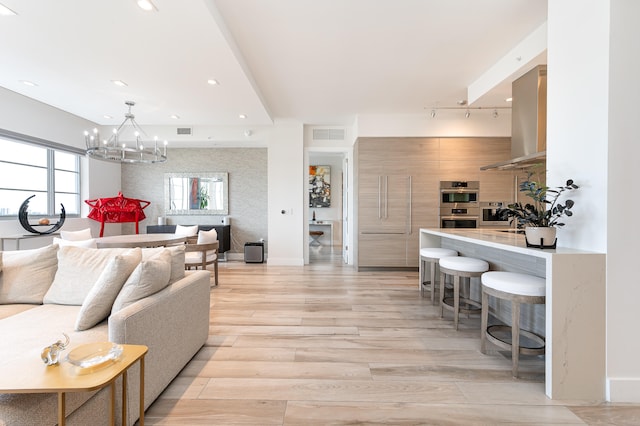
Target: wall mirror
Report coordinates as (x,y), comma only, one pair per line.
(196,193)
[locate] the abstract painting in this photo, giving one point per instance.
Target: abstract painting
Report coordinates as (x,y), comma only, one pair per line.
(319,186)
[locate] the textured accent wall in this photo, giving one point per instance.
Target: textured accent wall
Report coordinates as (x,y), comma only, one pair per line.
(247,169)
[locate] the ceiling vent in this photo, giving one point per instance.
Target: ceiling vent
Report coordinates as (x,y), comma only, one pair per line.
(184,130)
(328,134)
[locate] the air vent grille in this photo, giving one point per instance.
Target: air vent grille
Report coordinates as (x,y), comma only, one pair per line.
(184,130)
(328,134)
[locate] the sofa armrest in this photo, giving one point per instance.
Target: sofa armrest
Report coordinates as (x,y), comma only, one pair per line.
(173,323)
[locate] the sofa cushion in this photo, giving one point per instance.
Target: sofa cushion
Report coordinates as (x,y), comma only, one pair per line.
(149,277)
(177,259)
(78,270)
(97,305)
(83,234)
(27,274)
(90,243)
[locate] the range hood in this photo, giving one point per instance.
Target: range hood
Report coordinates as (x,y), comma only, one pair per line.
(528,121)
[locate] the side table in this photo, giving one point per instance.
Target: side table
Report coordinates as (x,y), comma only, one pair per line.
(36,377)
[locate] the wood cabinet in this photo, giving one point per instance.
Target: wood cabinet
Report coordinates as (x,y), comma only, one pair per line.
(397,186)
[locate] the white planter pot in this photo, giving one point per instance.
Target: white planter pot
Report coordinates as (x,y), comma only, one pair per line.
(536,233)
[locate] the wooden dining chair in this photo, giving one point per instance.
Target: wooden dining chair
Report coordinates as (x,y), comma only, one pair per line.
(202,255)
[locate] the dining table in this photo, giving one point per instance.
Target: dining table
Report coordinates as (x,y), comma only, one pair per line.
(140,240)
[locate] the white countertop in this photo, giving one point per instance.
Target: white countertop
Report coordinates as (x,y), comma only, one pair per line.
(496,238)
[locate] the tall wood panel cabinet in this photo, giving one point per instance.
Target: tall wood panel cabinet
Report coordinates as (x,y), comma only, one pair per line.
(397,187)
(396,190)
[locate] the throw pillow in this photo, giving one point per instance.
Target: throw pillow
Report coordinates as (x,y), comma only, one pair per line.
(177,259)
(83,234)
(206,237)
(78,270)
(149,277)
(187,231)
(97,304)
(27,274)
(91,243)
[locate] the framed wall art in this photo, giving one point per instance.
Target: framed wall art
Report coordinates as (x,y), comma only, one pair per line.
(319,186)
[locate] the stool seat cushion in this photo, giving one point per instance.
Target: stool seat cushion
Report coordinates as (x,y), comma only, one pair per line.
(464,264)
(436,252)
(514,283)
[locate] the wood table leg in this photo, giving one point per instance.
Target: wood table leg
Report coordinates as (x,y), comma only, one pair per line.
(124,398)
(61,408)
(113,403)
(141,421)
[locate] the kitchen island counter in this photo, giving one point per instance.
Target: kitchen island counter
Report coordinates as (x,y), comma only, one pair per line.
(574,312)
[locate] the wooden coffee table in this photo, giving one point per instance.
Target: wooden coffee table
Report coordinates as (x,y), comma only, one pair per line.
(33,376)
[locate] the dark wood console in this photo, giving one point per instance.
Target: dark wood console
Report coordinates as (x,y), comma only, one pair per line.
(224,233)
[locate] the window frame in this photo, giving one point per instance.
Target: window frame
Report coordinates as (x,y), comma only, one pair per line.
(51,169)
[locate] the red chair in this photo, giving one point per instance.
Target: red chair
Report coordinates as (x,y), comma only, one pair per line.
(117,210)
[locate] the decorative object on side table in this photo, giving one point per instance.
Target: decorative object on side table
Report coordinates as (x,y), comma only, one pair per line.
(24,219)
(540,218)
(51,354)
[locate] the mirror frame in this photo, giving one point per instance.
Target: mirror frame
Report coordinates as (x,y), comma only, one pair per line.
(174,212)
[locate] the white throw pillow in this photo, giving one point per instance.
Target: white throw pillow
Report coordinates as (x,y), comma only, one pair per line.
(90,243)
(83,234)
(186,231)
(177,259)
(149,277)
(78,270)
(97,304)
(206,237)
(27,274)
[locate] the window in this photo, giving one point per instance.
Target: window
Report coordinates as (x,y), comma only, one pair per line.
(52,175)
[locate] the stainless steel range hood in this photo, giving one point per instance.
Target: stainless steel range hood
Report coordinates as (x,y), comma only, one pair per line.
(528,121)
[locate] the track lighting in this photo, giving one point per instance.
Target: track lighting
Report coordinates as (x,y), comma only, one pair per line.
(467,114)
(495,113)
(433,113)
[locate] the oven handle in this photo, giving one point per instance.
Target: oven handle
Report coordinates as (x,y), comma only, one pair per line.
(459,217)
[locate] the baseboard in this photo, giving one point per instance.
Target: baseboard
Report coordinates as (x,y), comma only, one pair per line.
(623,390)
(284,261)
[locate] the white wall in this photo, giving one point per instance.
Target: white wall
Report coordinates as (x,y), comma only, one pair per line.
(623,369)
(287,187)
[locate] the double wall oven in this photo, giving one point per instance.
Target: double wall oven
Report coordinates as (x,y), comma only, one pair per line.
(459,204)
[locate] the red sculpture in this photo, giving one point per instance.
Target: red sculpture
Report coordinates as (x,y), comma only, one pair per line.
(117,210)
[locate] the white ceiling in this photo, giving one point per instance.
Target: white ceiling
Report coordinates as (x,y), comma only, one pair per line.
(315,61)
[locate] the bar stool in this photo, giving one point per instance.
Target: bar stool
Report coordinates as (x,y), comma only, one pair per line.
(517,288)
(431,256)
(459,267)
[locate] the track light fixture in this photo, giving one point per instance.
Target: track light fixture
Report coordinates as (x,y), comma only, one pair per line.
(467,114)
(433,113)
(495,113)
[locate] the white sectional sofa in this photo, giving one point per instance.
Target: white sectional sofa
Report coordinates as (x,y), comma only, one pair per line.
(128,296)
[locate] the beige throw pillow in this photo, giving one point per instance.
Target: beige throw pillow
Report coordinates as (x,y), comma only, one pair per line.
(149,277)
(83,234)
(78,270)
(177,259)
(27,274)
(97,304)
(91,243)
(186,231)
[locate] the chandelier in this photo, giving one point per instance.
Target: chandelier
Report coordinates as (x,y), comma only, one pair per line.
(116,150)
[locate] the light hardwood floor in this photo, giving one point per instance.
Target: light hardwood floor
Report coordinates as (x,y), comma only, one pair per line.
(324,344)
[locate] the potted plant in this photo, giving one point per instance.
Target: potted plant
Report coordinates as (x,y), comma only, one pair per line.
(540,217)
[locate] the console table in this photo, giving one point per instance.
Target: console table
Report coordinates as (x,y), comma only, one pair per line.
(224,233)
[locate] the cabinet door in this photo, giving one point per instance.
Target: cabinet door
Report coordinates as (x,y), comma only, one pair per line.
(381,250)
(383,203)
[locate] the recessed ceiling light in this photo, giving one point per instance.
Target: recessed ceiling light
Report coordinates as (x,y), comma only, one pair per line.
(5,11)
(213,82)
(175,117)
(243,116)
(28,83)
(509,100)
(119,83)
(146,5)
